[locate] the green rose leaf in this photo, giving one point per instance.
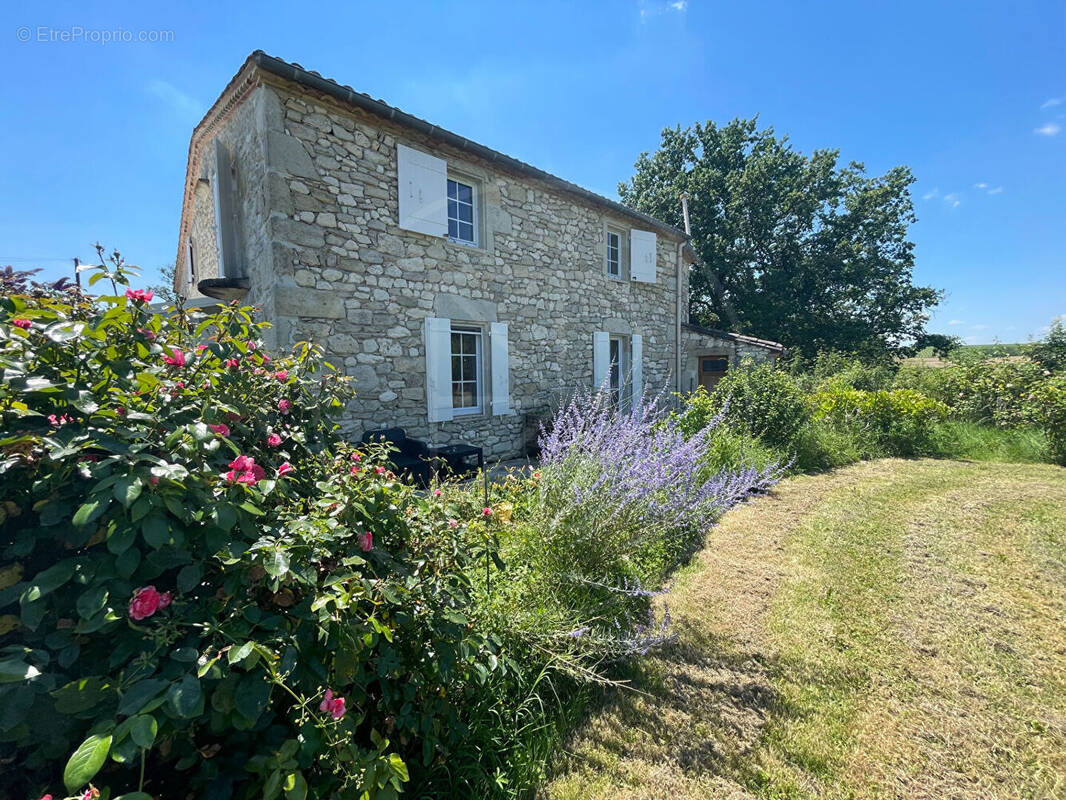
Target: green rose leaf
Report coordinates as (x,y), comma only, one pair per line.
(185,697)
(251,696)
(80,695)
(13,670)
(140,694)
(143,730)
(277,563)
(156,530)
(238,654)
(90,511)
(127,489)
(86,762)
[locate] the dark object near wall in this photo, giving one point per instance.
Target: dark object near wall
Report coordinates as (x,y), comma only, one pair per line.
(412,458)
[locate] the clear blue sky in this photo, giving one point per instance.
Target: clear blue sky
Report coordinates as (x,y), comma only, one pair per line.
(970,95)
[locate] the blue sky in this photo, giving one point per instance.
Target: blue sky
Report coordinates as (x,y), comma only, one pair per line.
(970,95)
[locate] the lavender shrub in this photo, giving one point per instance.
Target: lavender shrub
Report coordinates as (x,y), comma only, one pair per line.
(623,497)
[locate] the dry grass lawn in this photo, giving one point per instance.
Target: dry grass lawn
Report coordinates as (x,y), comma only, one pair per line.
(896,629)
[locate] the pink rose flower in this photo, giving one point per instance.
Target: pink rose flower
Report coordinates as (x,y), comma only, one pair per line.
(146,333)
(222,429)
(284,406)
(366,541)
(176,360)
(250,345)
(285,469)
(200,348)
(232,363)
(333,705)
(282,375)
(243,469)
(61,419)
(242,463)
(379,470)
(45,797)
(354,470)
(273,440)
(452,523)
(266,358)
(140,295)
(147,601)
(486,511)
(356,457)
(22,323)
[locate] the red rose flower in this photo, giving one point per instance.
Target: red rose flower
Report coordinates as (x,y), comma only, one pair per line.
(147,601)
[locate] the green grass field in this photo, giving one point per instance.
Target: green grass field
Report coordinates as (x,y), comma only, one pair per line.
(890,630)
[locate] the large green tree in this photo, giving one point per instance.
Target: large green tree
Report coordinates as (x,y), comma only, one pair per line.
(794,247)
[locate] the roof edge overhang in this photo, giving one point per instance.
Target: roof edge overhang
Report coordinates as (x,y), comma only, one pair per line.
(736,337)
(246,80)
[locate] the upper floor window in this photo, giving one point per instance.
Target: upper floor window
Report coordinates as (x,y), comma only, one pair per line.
(614,254)
(462,212)
(467,389)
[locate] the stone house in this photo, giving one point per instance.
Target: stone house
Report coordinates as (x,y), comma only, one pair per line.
(461,288)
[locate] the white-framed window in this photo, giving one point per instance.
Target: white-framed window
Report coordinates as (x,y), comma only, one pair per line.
(468,391)
(614,254)
(462,212)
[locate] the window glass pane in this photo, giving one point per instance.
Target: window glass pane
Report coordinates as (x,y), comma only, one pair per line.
(457,395)
(465,193)
(453,209)
(466,213)
(469,367)
(457,368)
(451,190)
(466,232)
(453,228)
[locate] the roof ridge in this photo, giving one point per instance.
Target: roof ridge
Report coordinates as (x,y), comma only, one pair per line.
(314,80)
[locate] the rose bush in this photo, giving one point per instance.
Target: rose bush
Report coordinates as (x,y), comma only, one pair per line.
(202,592)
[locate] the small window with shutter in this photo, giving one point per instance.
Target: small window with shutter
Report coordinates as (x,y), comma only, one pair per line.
(614,254)
(422,190)
(462,212)
(642,255)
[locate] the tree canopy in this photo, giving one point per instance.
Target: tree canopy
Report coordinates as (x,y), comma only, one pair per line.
(793,247)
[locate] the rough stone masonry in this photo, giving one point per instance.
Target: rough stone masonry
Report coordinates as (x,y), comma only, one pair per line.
(316,240)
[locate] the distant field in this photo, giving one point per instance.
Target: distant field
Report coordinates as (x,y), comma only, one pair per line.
(889,630)
(984,350)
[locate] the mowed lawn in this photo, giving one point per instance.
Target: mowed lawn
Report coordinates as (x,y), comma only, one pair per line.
(896,629)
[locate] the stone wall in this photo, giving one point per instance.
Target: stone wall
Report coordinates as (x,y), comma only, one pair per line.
(328,263)
(698,343)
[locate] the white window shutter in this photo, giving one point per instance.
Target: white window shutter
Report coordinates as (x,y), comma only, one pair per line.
(601,358)
(423,187)
(225,214)
(642,256)
(501,369)
(637,378)
(439,369)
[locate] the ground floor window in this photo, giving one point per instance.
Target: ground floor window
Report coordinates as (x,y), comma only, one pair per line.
(619,353)
(467,384)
